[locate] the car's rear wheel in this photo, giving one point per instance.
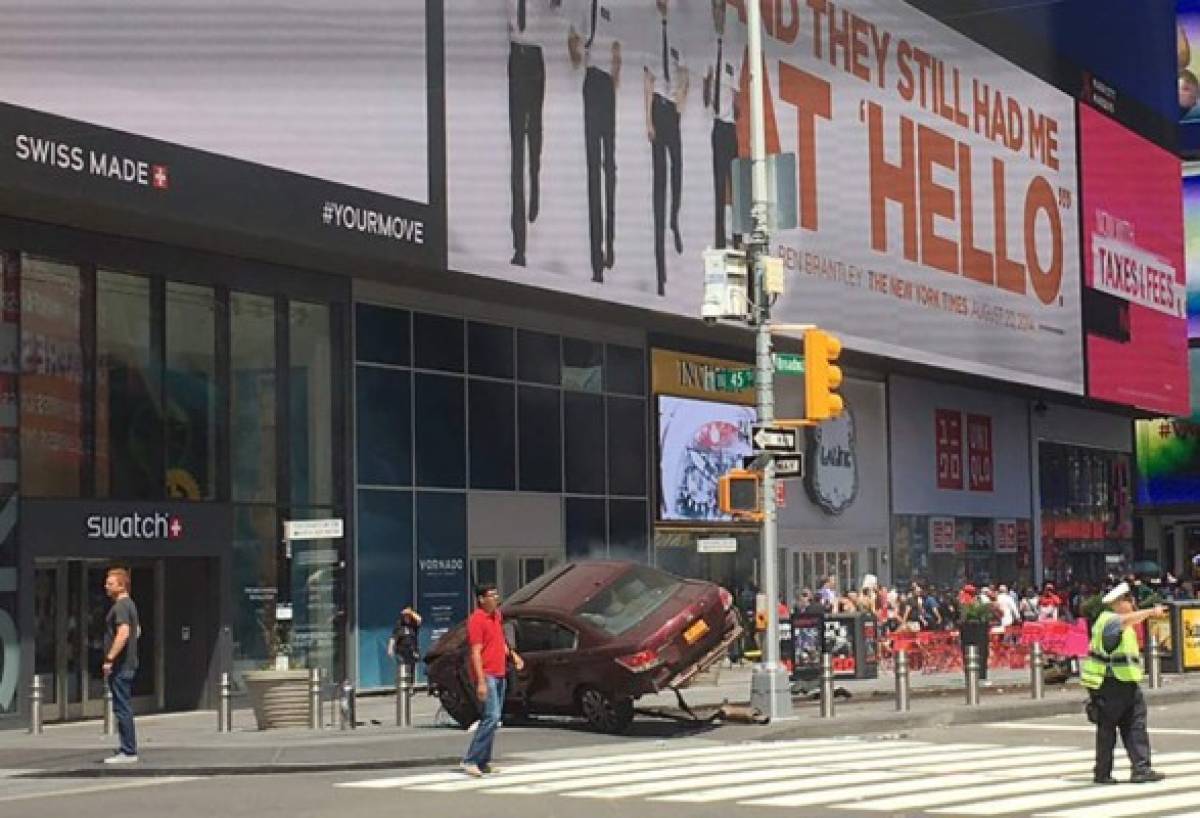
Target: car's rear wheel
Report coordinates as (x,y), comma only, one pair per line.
(461,709)
(603,712)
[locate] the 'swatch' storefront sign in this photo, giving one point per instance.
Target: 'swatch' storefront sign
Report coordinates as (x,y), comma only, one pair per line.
(134,526)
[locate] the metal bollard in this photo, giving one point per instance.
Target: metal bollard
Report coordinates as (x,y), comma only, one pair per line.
(314,699)
(404,690)
(348,718)
(110,720)
(35,706)
(1037,665)
(827,707)
(902,681)
(972,671)
(1155,662)
(224,709)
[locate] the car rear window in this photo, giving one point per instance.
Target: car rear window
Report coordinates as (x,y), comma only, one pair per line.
(528,592)
(629,599)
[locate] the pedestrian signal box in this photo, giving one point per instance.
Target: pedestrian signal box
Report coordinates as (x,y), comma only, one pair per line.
(821,378)
(738,494)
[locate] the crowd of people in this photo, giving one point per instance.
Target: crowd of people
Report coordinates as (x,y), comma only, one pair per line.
(925,606)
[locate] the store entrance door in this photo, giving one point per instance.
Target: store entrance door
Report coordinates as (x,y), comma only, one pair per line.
(69,609)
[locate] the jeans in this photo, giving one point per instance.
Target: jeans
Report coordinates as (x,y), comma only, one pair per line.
(480,751)
(121,684)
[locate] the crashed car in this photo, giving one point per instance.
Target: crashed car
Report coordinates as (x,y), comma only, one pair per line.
(595,636)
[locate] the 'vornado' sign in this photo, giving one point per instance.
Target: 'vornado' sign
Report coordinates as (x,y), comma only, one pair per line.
(157,526)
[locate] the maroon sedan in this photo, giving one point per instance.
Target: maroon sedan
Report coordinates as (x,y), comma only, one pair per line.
(595,636)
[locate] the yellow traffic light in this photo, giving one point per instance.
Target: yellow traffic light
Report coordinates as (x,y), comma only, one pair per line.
(821,376)
(738,494)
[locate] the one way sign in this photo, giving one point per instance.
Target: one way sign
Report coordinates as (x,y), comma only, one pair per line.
(773,439)
(789,466)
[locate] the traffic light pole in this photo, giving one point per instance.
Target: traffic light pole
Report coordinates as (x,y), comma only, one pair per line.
(769,688)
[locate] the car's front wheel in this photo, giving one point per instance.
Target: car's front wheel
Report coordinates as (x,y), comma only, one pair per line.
(603,712)
(461,709)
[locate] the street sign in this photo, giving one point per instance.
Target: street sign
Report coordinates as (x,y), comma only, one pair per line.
(717,545)
(790,466)
(733,380)
(328,529)
(773,439)
(787,363)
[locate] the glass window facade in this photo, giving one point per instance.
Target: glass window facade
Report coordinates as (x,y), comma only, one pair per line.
(484,407)
(253,396)
(53,449)
(127,422)
(311,407)
(191,392)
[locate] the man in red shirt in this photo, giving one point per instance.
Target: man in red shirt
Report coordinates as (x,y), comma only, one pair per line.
(489,655)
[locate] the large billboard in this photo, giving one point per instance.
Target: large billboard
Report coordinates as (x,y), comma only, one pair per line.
(588,147)
(1135,301)
(300,120)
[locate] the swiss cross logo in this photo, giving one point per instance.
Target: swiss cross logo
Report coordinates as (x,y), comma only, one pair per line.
(160,177)
(175,528)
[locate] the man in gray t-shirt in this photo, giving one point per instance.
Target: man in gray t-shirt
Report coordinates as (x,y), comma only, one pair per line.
(121,632)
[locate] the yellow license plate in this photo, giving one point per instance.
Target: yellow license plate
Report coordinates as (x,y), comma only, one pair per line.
(695,631)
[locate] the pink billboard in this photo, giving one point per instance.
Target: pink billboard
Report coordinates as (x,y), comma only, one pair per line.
(1135,298)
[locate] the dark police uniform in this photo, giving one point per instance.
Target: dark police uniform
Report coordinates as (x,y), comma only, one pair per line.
(526,93)
(596,29)
(668,75)
(720,89)
(1111,673)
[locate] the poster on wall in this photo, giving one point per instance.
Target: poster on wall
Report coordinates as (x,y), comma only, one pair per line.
(979,453)
(948,442)
(589,150)
(1135,313)
(699,441)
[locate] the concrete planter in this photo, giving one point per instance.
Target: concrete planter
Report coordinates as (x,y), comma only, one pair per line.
(279,697)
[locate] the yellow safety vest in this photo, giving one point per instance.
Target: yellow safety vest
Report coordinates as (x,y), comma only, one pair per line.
(1125,662)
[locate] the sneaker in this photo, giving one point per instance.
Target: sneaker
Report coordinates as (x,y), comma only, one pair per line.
(121,758)
(1147,777)
(471,770)
(488,769)
(473,726)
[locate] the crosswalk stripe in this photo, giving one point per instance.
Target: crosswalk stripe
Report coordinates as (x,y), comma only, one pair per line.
(782,764)
(789,785)
(1051,755)
(597,761)
(622,773)
(982,761)
(923,800)
(1139,806)
(1041,801)
(1081,728)
(830,796)
(524,775)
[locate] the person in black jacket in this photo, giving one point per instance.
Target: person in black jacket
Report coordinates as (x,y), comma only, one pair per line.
(405,644)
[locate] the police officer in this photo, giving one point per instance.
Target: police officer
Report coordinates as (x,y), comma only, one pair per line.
(1111,673)
(592,42)
(720,98)
(526,93)
(666,86)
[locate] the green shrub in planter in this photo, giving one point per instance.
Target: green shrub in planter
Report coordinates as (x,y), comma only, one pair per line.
(978,611)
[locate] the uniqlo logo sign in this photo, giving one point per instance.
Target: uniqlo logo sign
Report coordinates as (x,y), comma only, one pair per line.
(948,447)
(979,453)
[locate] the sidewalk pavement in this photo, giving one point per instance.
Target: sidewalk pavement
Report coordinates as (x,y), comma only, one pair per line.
(188,743)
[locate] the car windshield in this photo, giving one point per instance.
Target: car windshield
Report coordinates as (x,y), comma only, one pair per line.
(629,599)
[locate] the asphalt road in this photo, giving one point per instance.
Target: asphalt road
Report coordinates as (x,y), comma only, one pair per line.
(1027,768)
